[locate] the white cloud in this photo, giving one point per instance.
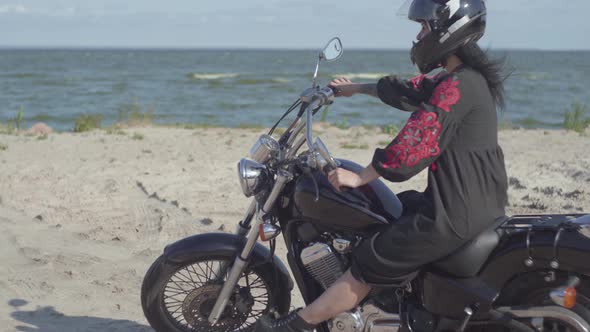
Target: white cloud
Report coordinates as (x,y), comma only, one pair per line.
(22,9)
(14,9)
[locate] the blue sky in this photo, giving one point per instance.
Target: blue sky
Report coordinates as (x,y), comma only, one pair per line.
(538,24)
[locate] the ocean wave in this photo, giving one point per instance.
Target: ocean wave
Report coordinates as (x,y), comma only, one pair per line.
(23,75)
(211,76)
(236,78)
(51,82)
(255,81)
(536,76)
(362,76)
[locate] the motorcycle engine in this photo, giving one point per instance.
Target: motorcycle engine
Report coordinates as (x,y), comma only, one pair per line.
(324,265)
(368,318)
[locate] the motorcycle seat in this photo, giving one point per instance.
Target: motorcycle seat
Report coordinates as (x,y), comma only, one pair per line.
(468,260)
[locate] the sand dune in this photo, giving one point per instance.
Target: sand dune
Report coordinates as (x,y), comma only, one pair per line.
(84,215)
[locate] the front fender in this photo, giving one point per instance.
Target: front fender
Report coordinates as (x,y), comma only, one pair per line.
(225,244)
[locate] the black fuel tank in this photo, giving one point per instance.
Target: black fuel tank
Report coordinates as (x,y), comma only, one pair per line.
(369,205)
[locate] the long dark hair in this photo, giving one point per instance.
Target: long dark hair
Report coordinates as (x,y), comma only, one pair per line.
(493,70)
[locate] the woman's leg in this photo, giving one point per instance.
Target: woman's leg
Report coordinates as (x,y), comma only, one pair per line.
(343,295)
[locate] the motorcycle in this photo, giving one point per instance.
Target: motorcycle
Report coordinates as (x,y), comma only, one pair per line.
(524,273)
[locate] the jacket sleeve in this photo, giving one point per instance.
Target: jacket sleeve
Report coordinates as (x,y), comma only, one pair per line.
(405,95)
(427,133)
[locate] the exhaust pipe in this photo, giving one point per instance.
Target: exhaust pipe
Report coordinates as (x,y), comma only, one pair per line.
(553,312)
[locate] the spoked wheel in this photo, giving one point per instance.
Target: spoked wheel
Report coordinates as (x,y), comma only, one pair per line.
(187,293)
(191,292)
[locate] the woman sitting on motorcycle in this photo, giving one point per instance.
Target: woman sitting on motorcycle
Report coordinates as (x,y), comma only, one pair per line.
(453,131)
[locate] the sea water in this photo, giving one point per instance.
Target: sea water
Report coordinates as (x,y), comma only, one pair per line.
(251,87)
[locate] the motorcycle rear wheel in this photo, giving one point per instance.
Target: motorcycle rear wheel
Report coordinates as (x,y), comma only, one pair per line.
(178,297)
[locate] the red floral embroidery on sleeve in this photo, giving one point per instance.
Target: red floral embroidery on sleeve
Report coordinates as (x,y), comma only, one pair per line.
(446,94)
(418,140)
(416,81)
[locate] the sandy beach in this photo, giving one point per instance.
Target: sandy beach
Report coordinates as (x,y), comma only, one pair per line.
(84,215)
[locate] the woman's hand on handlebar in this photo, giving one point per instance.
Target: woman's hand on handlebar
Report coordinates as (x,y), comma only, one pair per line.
(343,87)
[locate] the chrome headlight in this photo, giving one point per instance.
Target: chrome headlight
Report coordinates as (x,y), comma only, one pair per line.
(264,148)
(253,176)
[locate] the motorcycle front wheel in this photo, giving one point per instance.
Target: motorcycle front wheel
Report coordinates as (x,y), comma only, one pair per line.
(178,297)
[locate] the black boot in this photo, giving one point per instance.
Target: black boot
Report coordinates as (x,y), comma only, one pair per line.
(290,323)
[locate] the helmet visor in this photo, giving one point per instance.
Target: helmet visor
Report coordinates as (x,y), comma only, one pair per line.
(422,10)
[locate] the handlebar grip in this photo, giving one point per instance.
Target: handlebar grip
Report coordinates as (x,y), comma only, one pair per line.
(328,168)
(335,90)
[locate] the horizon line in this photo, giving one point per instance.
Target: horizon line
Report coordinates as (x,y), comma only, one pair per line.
(240,48)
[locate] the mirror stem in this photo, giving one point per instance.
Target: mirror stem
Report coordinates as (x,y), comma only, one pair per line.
(315,74)
(308,133)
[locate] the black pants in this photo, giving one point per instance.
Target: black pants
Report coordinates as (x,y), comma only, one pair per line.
(394,253)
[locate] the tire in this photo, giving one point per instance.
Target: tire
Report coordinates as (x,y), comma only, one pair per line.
(170,287)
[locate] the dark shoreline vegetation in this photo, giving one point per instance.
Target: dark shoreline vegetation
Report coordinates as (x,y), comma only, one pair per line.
(576,118)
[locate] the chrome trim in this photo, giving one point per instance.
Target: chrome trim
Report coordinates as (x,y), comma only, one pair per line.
(223,298)
(555,262)
(322,56)
(309,127)
(377,320)
(253,176)
(244,225)
(385,325)
(349,321)
(468,314)
(295,134)
(342,245)
(264,148)
(315,73)
(322,264)
(529,262)
(584,223)
(240,262)
(242,229)
(270,231)
(315,252)
(282,178)
(564,315)
(323,151)
(296,147)
(291,126)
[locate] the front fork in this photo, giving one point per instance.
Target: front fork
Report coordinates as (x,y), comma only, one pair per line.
(283,177)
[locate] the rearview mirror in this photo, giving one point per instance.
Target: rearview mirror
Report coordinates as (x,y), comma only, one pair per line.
(332,50)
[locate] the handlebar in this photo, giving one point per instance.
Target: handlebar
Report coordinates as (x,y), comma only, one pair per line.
(316,98)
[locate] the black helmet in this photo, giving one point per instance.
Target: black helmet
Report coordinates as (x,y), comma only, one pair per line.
(452,24)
